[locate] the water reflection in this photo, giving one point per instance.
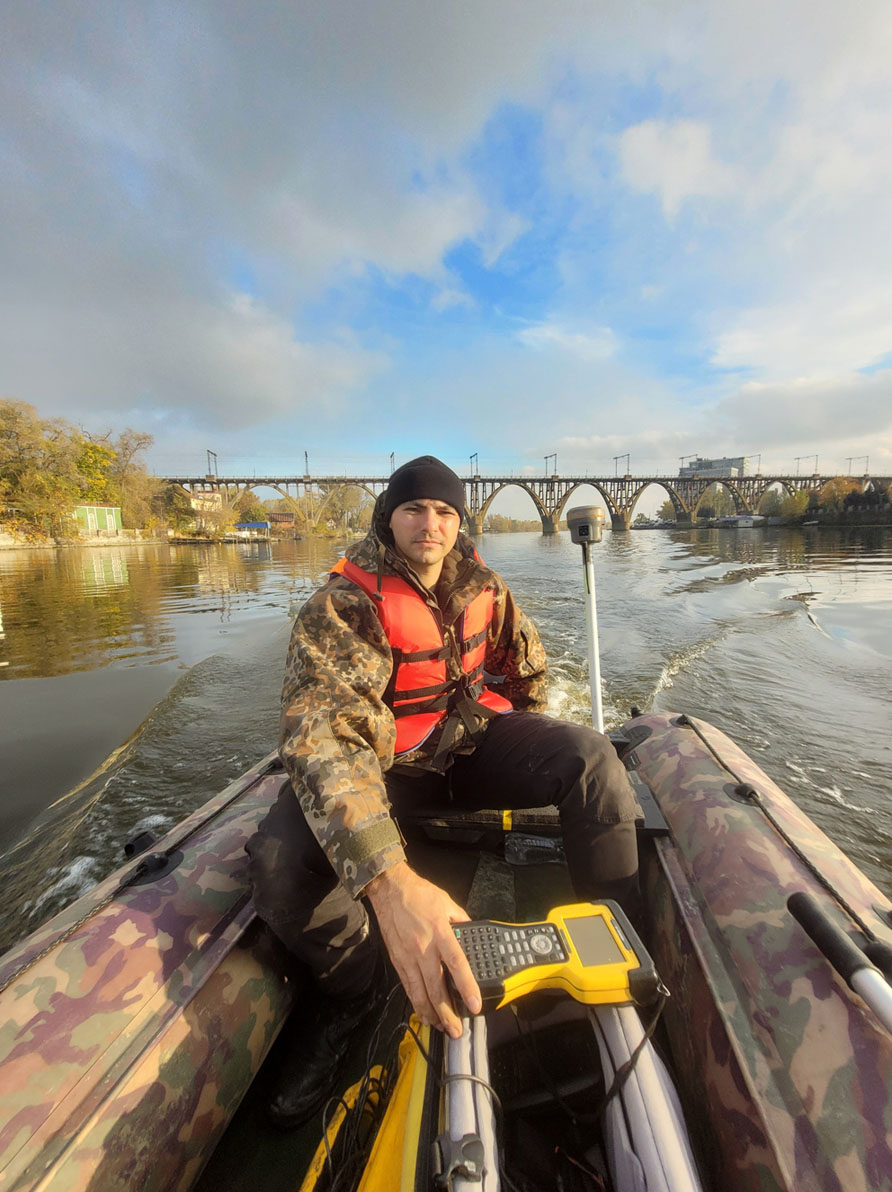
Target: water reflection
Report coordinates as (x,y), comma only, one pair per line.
(81,609)
(108,569)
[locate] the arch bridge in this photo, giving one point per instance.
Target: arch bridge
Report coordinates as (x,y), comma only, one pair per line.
(309,495)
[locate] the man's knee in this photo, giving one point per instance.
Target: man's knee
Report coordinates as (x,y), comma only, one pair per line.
(602,784)
(580,741)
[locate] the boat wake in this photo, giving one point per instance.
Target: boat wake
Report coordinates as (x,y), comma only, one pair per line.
(182,753)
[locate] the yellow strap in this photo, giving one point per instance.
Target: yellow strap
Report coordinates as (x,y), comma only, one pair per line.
(507,820)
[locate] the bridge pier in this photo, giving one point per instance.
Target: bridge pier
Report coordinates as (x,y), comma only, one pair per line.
(621,520)
(683,518)
(549,524)
(475,525)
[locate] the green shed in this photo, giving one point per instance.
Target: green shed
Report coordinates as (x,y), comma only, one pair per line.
(102,521)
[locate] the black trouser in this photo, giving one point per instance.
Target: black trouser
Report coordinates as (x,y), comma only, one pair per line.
(523,760)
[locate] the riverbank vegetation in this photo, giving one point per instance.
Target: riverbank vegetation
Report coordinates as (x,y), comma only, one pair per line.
(48,466)
(496,524)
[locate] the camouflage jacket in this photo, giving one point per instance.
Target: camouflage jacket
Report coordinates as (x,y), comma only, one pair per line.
(338,735)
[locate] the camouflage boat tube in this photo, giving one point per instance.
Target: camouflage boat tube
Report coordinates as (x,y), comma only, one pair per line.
(785,1071)
(132,1024)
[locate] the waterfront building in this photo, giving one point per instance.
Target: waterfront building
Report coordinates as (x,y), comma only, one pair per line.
(714,469)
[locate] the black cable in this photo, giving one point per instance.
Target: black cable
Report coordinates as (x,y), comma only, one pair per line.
(620,1077)
(359,1127)
(497,1104)
(623,1073)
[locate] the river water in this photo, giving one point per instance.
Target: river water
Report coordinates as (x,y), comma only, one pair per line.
(135,682)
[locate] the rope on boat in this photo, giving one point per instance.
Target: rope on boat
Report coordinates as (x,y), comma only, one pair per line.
(747,791)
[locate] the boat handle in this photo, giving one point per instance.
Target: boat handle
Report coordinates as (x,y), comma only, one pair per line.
(856,969)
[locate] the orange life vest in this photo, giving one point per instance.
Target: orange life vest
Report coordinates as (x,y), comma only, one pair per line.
(420,692)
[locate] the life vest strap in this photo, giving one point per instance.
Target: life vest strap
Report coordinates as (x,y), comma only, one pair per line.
(475,640)
(425,655)
(466,710)
(448,694)
(419,708)
(418,693)
(441,655)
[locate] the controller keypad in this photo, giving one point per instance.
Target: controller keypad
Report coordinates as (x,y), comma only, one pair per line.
(495,950)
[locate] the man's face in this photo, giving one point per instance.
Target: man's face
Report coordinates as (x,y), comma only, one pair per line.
(424,531)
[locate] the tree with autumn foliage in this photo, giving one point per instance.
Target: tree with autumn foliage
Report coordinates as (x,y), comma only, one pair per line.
(94,462)
(39,477)
(833,495)
(47,466)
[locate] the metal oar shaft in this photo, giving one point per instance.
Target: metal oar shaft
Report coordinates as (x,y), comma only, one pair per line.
(870,985)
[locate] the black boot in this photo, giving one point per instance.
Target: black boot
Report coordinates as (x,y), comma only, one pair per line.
(315,1060)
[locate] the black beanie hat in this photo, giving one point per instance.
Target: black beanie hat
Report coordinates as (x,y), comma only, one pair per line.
(424,478)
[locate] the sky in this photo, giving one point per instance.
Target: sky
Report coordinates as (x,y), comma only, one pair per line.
(504,227)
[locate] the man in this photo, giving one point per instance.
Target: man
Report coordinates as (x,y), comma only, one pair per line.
(385,708)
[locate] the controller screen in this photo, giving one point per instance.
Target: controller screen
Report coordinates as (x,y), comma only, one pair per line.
(593,941)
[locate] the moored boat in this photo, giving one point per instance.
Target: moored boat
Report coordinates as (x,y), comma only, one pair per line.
(132,1024)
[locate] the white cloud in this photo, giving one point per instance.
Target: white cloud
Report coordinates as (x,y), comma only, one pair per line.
(592,344)
(839,416)
(674,160)
(227,365)
(398,233)
(153,163)
(822,334)
(447,298)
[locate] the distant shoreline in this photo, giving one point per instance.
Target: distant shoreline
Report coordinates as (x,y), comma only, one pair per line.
(128,538)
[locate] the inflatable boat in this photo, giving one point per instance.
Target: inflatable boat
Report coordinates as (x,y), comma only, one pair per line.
(134,1023)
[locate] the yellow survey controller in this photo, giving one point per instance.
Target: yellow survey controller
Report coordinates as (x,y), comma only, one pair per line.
(589,950)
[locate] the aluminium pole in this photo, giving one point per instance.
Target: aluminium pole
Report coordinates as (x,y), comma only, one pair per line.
(585,524)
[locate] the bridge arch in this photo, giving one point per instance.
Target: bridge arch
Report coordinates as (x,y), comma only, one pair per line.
(682,511)
(712,486)
(779,488)
(310,518)
(679,504)
(333,489)
(605,496)
(476,520)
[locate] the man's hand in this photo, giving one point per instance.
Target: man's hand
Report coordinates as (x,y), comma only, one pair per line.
(415,918)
